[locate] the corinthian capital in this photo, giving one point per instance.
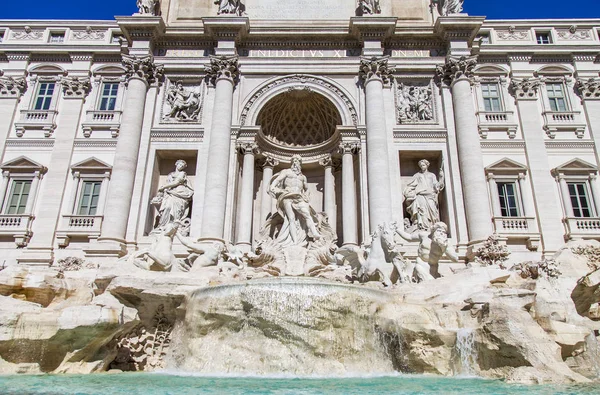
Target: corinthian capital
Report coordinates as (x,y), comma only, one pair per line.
(247,148)
(349,147)
(75,87)
(588,89)
(375,68)
(456,68)
(12,87)
(525,89)
(222,67)
(142,67)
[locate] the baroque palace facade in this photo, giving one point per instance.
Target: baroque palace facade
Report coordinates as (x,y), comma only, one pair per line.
(94,117)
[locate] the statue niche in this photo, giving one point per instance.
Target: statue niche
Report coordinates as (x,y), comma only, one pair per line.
(421,198)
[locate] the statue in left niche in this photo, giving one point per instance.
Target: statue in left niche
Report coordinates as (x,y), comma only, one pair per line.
(231,7)
(173,200)
(147,7)
(185,103)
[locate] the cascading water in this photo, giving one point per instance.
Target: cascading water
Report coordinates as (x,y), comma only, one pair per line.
(289,326)
(465,351)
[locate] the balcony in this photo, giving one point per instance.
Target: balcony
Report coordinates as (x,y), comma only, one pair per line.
(17,226)
(36,120)
(497,121)
(78,226)
(518,228)
(563,121)
(102,120)
(580,228)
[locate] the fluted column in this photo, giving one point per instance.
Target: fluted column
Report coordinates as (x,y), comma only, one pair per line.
(265,201)
(374,72)
(349,207)
(458,73)
(243,232)
(141,72)
(329,190)
(11,90)
(223,73)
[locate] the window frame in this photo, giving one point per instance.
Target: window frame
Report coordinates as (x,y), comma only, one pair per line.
(504,180)
(81,192)
(104,82)
(586,193)
(10,193)
(498,97)
(51,97)
(57,33)
(540,33)
(20,169)
(551,99)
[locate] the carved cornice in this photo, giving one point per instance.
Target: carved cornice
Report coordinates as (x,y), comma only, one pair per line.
(247,148)
(142,68)
(375,69)
(455,69)
(12,87)
(75,87)
(222,67)
(525,89)
(588,89)
(349,147)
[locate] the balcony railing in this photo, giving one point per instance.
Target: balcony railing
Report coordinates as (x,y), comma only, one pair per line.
(101,120)
(563,121)
(582,227)
(36,119)
(497,121)
(515,225)
(84,226)
(17,226)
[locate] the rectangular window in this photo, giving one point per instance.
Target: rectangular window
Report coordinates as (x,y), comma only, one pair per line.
(579,199)
(116,37)
(108,97)
(19,193)
(507,192)
(556,96)
(491,97)
(484,37)
(57,37)
(542,38)
(44,96)
(90,194)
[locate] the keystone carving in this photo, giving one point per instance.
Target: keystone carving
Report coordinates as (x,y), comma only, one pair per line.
(75,87)
(222,67)
(586,89)
(10,86)
(456,68)
(525,89)
(375,68)
(143,68)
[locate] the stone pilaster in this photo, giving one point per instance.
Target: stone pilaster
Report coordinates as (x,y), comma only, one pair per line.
(40,248)
(329,190)
(374,73)
(266,201)
(349,207)
(141,71)
(525,92)
(244,217)
(223,73)
(589,91)
(11,90)
(457,72)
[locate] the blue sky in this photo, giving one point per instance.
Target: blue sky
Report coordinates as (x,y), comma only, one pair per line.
(106,9)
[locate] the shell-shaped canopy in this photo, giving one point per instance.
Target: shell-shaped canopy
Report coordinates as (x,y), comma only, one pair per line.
(299,118)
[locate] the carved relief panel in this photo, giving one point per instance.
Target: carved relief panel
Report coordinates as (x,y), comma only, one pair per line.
(414,102)
(182,102)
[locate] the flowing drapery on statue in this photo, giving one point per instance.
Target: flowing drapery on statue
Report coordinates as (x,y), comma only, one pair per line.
(173,199)
(421,196)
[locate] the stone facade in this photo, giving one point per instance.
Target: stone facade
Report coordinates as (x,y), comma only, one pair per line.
(94,116)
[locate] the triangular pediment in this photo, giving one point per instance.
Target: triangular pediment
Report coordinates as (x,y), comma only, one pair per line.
(91,165)
(22,164)
(506,165)
(576,166)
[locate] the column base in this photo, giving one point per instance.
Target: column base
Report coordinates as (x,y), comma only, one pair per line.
(43,256)
(106,248)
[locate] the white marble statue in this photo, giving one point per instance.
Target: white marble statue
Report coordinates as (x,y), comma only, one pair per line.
(449,7)
(159,256)
(173,199)
(201,254)
(368,7)
(290,188)
(433,245)
(148,7)
(185,104)
(231,7)
(421,196)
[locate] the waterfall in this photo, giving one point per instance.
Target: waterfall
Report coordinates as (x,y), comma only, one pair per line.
(465,351)
(593,351)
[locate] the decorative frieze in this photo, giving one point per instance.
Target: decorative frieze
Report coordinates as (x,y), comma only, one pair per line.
(88,34)
(27,34)
(222,67)
(75,87)
(525,89)
(375,68)
(414,103)
(143,68)
(456,68)
(588,89)
(572,33)
(11,86)
(513,34)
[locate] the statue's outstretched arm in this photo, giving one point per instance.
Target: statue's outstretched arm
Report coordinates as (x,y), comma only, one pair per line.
(451,253)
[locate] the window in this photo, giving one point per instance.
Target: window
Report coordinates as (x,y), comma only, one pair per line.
(44,96)
(57,37)
(507,192)
(108,96)
(542,38)
(579,199)
(19,194)
(116,38)
(484,37)
(90,194)
(556,96)
(491,97)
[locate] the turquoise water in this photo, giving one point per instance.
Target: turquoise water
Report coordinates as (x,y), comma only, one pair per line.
(154,384)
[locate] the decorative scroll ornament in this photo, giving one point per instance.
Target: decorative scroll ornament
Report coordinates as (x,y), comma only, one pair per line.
(573,34)
(143,68)
(589,89)
(222,67)
(231,7)
(75,86)
(28,34)
(525,89)
(456,68)
(513,34)
(88,34)
(10,86)
(414,103)
(375,68)
(147,7)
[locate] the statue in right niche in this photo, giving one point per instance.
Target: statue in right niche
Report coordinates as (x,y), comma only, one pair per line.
(421,197)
